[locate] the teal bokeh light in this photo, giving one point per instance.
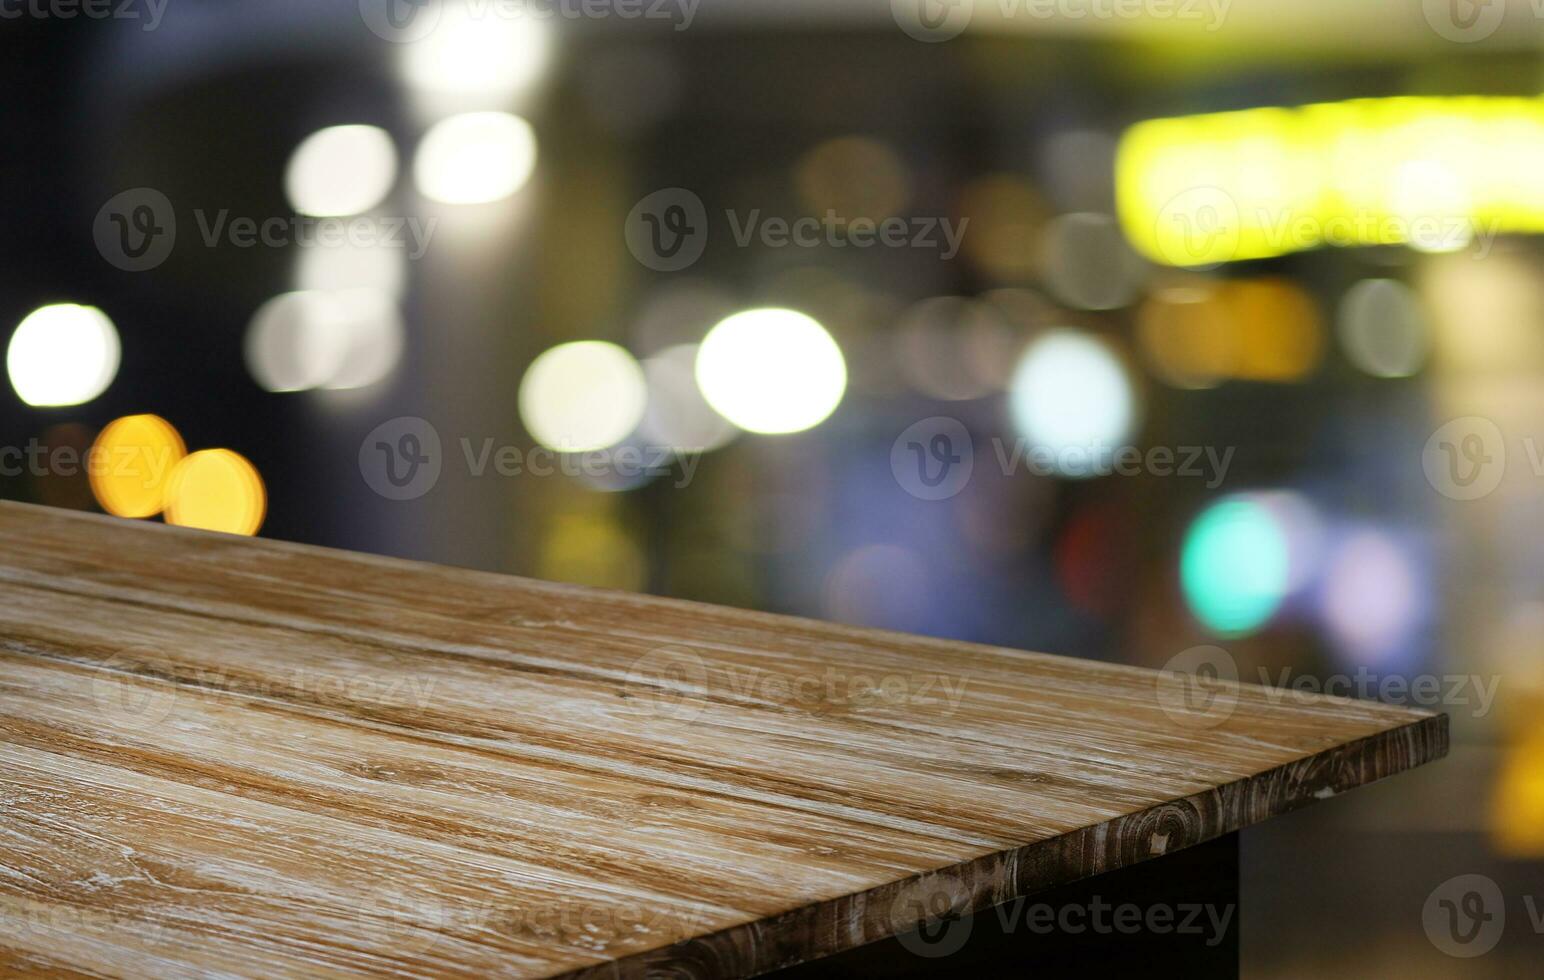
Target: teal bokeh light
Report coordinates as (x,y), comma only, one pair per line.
(1234,566)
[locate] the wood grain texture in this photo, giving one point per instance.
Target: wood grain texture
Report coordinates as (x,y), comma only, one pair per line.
(229,757)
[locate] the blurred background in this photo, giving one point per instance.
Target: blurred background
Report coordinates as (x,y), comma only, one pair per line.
(1108,329)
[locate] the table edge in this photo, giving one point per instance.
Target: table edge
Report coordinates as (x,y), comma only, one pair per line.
(847,922)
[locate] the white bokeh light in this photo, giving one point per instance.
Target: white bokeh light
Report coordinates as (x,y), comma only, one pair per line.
(478,50)
(349,266)
(341,170)
(1072,398)
(63,355)
(771,371)
(582,396)
(1383,328)
(475,158)
(678,416)
(345,339)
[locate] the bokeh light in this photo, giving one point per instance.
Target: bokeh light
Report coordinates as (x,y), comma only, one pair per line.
(347,338)
(291,343)
(771,371)
(475,158)
(880,585)
(1005,216)
(63,354)
(478,50)
(341,170)
(855,177)
(1416,171)
(1235,566)
(1517,809)
(1303,529)
(677,415)
(1072,397)
(216,490)
(582,396)
(1371,596)
(66,488)
(592,549)
(1087,264)
(350,266)
(1383,329)
(1186,336)
(131,465)
(934,344)
(1278,331)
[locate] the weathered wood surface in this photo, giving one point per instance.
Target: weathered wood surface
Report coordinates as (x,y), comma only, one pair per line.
(221,756)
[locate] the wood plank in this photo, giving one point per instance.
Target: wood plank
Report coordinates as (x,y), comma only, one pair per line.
(233,757)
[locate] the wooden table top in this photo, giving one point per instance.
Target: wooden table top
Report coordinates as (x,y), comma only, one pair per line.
(230,756)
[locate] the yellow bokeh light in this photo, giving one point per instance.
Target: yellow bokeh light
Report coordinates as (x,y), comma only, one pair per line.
(131,464)
(1263,329)
(1280,333)
(216,490)
(592,549)
(1518,806)
(1430,173)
